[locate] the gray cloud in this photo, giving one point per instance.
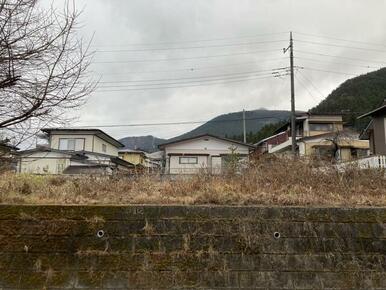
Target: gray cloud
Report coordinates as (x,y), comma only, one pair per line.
(135,24)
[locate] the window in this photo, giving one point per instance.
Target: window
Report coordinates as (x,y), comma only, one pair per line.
(321,127)
(104,148)
(71,144)
(358,153)
(188,160)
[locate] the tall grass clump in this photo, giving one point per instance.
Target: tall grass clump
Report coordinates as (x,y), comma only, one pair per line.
(266,181)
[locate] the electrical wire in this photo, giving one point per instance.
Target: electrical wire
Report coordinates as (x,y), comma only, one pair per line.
(191,47)
(199,77)
(340,39)
(167,123)
(185,86)
(206,40)
(342,63)
(188,58)
(343,57)
(305,87)
(311,82)
(338,45)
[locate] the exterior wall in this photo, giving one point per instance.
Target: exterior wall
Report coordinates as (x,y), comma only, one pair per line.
(43,163)
(132,157)
(308,148)
(88,143)
(191,247)
(379,131)
(110,149)
(92,143)
(54,162)
(176,168)
(203,148)
(272,142)
(335,120)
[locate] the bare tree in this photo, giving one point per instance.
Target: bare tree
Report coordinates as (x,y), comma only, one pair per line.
(43,66)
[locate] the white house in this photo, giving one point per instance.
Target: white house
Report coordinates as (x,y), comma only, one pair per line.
(206,153)
(74,151)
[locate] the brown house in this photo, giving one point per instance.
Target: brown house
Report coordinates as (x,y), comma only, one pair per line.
(375,131)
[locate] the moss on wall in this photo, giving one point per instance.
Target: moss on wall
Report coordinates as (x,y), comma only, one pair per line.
(208,247)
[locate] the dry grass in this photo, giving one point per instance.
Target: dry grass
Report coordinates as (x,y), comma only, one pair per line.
(266,182)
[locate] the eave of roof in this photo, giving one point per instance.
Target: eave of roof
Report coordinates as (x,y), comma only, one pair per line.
(98,132)
(205,135)
(268,138)
(373,112)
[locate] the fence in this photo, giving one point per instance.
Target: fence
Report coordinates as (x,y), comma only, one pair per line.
(370,162)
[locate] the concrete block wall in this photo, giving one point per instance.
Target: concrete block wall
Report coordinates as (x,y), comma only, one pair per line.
(191,247)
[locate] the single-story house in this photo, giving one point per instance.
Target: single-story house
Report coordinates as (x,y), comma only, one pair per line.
(74,151)
(203,153)
(375,131)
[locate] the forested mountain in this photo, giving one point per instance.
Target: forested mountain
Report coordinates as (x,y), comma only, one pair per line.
(355,97)
(145,143)
(231,125)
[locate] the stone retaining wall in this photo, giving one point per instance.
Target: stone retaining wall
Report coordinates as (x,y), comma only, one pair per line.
(191,247)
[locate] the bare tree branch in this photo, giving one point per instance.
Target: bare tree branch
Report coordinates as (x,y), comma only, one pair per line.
(43,65)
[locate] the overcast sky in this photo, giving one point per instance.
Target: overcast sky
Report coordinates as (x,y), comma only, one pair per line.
(234,44)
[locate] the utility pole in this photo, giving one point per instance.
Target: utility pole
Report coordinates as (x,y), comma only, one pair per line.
(293,116)
(244,129)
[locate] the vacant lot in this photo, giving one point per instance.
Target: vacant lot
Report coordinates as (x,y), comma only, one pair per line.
(265,182)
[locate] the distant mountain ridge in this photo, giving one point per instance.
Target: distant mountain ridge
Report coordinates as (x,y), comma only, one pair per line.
(145,143)
(231,124)
(225,125)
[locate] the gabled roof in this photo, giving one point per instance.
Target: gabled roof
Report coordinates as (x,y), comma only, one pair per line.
(205,135)
(376,111)
(268,138)
(97,132)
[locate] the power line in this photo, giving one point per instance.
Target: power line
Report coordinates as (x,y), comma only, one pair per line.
(343,63)
(304,86)
(187,58)
(337,45)
(165,123)
(205,40)
(189,47)
(191,81)
(199,77)
(311,82)
(330,71)
(343,73)
(189,69)
(338,56)
(197,85)
(340,39)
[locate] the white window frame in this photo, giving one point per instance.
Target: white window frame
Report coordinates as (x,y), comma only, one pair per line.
(188,160)
(64,143)
(311,125)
